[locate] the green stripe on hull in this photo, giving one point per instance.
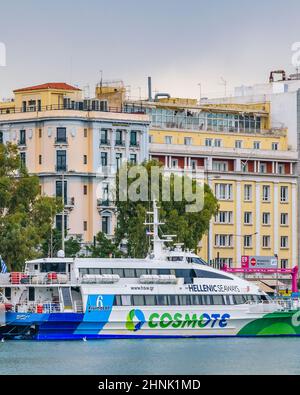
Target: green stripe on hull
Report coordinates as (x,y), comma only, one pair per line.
(273,324)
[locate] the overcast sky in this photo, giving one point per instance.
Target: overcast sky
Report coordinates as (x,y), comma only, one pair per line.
(178,43)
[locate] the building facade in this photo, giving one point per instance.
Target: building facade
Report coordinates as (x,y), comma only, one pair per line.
(72,144)
(248,164)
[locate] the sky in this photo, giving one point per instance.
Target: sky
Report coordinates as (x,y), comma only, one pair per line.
(179,43)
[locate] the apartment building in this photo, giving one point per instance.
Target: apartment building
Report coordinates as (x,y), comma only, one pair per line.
(249,165)
(72,143)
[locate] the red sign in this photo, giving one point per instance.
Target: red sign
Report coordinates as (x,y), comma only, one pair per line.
(253,261)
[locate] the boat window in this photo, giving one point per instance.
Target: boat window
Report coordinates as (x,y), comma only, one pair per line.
(227,299)
(118,301)
(196,300)
(150,300)
(164,272)
(239,299)
(58,267)
(199,261)
(129,273)
(83,271)
(206,299)
(138,300)
(175,258)
(162,300)
(173,300)
(141,272)
(106,271)
(153,271)
(184,300)
(118,272)
(126,300)
(217,300)
(207,274)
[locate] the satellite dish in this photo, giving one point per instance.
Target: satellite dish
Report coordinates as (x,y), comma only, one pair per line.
(60,254)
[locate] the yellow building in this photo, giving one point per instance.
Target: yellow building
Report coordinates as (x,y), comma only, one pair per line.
(248,165)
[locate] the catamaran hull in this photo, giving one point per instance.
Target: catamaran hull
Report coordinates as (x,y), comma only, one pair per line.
(141,324)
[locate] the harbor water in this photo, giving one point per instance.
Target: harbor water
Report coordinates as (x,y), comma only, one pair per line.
(126,357)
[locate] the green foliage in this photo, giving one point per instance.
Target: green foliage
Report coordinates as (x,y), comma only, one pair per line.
(188,226)
(104,248)
(26,216)
(54,236)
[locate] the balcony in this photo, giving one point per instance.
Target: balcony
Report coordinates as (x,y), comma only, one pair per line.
(105,203)
(120,143)
(61,168)
(61,141)
(70,202)
(22,143)
(134,144)
(104,142)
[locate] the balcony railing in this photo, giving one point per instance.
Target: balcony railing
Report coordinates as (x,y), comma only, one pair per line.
(22,143)
(120,143)
(61,140)
(105,203)
(134,144)
(81,108)
(61,168)
(104,142)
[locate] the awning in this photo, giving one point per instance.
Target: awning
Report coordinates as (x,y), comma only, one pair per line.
(273,283)
(263,287)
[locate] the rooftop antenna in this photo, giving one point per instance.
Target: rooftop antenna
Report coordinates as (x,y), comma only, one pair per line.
(224,83)
(101,78)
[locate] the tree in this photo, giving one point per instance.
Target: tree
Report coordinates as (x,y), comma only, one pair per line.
(104,247)
(188,226)
(72,244)
(25,215)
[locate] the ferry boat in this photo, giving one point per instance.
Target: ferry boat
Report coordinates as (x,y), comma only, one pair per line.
(171,293)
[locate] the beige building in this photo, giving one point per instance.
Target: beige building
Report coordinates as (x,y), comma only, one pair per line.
(66,139)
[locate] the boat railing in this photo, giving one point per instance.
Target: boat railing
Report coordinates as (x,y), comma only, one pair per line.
(38,308)
(273,305)
(78,307)
(19,278)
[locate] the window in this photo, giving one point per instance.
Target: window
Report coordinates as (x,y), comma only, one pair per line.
(266,193)
(118,160)
(194,164)
(22,140)
(247,241)
(238,144)
(103,159)
(208,142)
(244,166)
(85,159)
(168,139)
(223,240)
(220,165)
(284,219)
(266,218)
(151,138)
(61,135)
(266,241)
(281,168)
(103,136)
(247,218)
(59,191)
(256,145)
(284,242)
(106,224)
(223,191)
(133,138)
(119,137)
(224,217)
(218,143)
(61,160)
(40,133)
(31,294)
(23,159)
(59,222)
(284,194)
(275,146)
(174,163)
(85,132)
(85,190)
(247,192)
(263,168)
(85,226)
(40,159)
(284,263)
(187,141)
(1,137)
(132,159)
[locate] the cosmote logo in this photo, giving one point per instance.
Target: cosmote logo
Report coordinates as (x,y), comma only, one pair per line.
(135,320)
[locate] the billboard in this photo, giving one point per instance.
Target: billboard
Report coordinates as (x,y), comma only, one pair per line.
(259,262)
